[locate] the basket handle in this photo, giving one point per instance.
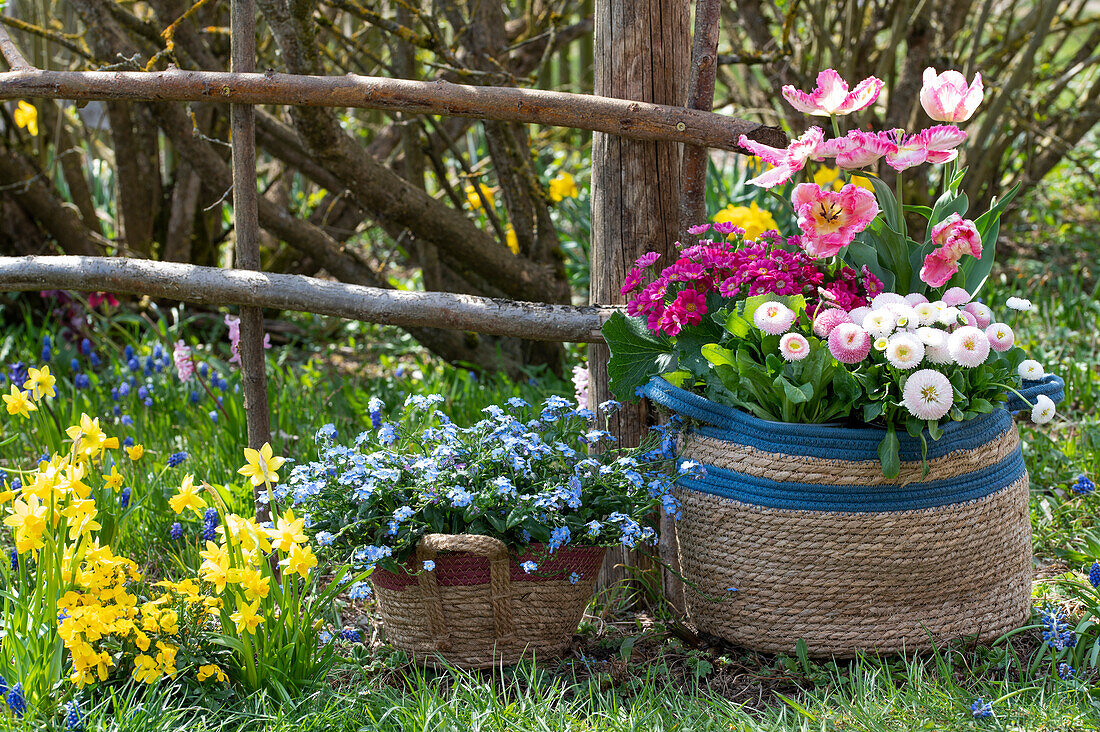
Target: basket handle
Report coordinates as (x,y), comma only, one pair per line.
(499,583)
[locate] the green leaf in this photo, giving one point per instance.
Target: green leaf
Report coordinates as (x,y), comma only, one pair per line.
(637,355)
(737,325)
(872,411)
(860,254)
(889,453)
(794,394)
(677,378)
(947,204)
(886,201)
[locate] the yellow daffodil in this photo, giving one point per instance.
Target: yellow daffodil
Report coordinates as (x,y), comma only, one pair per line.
(261,465)
(28,517)
(753,219)
(826,177)
(81,515)
(246,618)
(474,199)
(210,670)
(287,532)
(300,561)
(72,482)
(135,452)
(18,402)
(89,438)
(215,567)
(145,669)
(113,480)
(26,116)
(188,497)
(511,239)
(40,382)
(562,186)
(252,581)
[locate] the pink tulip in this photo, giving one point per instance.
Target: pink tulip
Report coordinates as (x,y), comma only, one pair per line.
(832,95)
(911,151)
(830,219)
(946,97)
(953,237)
(787,162)
(860,149)
(940,142)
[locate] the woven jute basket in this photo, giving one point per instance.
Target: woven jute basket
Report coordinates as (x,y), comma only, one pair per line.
(478,607)
(794,533)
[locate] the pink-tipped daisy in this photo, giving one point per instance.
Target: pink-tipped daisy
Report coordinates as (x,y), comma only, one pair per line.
(794,347)
(849,343)
(939,355)
(904,351)
(880,323)
(969,346)
(858,314)
(828,319)
(1001,337)
(927,394)
(926,313)
(956,296)
(774,318)
(887,298)
(968,318)
(915,298)
(931,337)
(980,311)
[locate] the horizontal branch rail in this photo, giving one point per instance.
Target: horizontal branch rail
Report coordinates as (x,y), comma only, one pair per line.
(214,286)
(623,117)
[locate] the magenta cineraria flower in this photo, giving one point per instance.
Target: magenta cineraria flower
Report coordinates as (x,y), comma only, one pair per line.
(632,281)
(830,219)
(832,95)
(698,229)
(646,259)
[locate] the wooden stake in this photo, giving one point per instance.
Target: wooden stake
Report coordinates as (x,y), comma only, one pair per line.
(704,53)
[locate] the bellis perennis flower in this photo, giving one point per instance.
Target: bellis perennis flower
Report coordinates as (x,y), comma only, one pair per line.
(927,394)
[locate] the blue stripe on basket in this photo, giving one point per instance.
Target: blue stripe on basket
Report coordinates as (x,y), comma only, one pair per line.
(817,440)
(855,498)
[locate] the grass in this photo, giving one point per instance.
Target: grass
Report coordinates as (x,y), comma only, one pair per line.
(630,671)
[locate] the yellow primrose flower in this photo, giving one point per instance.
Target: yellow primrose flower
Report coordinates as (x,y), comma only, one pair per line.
(113,480)
(261,465)
(89,439)
(210,670)
(474,199)
(287,532)
(246,617)
(18,403)
(26,115)
(40,382)
(188,497)
(753,219)
(252,581)
(300,561)
(511,239)
(145,669)
(562,186)
(826,177)
(135,452)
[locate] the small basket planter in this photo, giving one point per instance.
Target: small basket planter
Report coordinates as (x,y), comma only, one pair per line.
(478,608)
(821,547)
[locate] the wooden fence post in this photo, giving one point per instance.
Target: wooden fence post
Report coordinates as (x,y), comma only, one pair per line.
(642,51)
(246,229)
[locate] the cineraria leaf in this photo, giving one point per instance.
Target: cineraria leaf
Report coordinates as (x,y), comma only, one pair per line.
(637,355)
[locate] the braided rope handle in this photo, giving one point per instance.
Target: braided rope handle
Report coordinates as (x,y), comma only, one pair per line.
(1050,385)
(499,583)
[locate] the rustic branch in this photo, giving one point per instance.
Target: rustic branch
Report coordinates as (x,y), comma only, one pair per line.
(622,117)
(246,288)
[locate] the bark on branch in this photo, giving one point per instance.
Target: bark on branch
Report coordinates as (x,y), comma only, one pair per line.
(214,286)
(622,117)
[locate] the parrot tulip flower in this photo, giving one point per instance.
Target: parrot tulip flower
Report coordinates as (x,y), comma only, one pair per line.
(830,219)
(832,95)
(946,97)
(787,161)
(953,238)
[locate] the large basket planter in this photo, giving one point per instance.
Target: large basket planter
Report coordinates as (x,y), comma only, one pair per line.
(478,608)
(821,547)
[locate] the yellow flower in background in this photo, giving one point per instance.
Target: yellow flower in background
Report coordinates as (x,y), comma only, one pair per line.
(827,177)
(300,561)
(89,437)
(474,199)
(753,219)
(863,182)
(145,669)
(511,239)
(252,581)
(135,452)
(261,465)
(18,403)
(81,515)
(562,186)
(215,566)
(40,382)
(28,518)
(247,618)
(188,497)
(210,670)
(166,658)
(26,115)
